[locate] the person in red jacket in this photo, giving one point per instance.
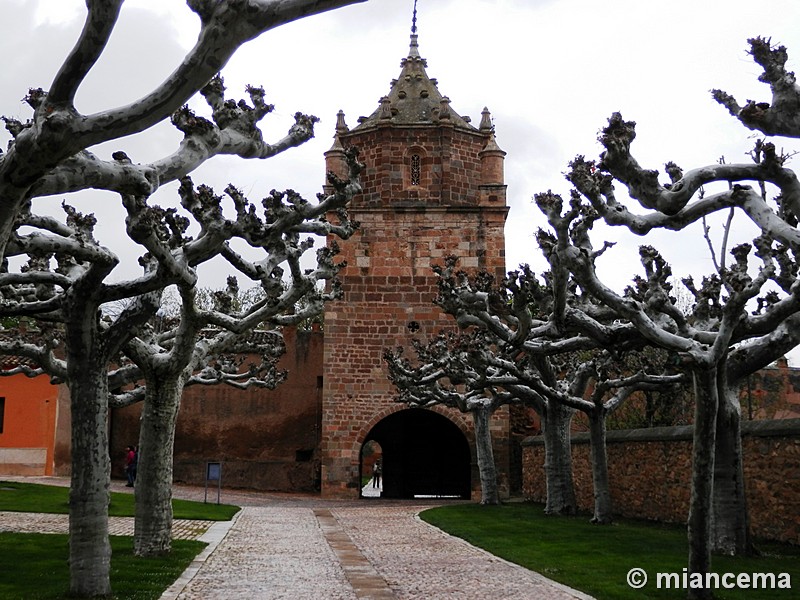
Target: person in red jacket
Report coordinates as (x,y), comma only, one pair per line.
(130,465)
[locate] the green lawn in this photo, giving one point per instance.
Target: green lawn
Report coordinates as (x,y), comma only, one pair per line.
(33,566)
(32,497)
(596,559)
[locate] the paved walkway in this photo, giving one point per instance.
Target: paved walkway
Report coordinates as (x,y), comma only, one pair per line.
(283,546)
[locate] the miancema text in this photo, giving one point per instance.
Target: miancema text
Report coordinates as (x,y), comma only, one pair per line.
(686,580)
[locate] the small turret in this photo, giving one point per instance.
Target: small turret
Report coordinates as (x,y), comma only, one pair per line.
(335,158)
(493,188)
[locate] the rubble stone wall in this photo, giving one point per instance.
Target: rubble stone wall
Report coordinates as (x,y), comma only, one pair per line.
(650,469)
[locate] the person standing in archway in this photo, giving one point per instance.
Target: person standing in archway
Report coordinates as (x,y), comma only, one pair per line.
(377,470)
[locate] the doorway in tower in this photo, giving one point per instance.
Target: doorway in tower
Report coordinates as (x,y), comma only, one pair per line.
(371,470)
(422,454)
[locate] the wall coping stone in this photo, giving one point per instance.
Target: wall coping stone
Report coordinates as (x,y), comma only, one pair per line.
(758,428)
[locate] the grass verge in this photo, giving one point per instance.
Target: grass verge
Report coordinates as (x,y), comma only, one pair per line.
(32,497)
(34,567)
(596,559)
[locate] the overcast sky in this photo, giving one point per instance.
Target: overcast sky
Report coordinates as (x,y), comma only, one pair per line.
(550,71)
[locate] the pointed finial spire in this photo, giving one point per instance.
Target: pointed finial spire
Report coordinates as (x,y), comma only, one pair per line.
(414,51)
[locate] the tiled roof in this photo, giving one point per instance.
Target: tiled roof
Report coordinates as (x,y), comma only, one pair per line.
(414,98)
(8,362)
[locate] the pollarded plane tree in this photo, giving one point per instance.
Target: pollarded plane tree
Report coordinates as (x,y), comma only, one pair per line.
(164,363)
(477,302)
(184,353)
(517,346)
(74,292)
(595,383)
(174,350)
(743,317)
(472,373)
(49,155)
(160,365)
(52,146)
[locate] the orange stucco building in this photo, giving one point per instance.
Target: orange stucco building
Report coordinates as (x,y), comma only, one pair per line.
(29,419)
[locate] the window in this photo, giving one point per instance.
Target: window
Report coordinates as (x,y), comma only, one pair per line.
(416,169)
(415,160)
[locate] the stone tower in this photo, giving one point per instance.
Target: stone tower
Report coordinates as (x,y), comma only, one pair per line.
(433,186)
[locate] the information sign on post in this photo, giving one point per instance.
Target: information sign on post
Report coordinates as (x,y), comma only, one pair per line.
(213,473)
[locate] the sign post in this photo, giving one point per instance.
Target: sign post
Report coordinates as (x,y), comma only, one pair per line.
(213,473)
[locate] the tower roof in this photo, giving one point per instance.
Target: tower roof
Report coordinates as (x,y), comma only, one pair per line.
(414,98)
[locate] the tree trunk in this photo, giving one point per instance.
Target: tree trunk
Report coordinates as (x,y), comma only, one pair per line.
(89,547)
(558,460)
(153,520)
(602,492)
(731,526)
(486,465)
(701,502)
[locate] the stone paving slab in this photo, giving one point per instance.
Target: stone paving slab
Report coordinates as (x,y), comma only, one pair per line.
(366,581)
(21,522)
(271,553)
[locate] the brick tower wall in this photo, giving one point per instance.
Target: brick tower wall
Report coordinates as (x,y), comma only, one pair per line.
(450,166)
(388,283)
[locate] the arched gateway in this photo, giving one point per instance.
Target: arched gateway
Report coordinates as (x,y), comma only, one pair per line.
(422,453)
(433,186)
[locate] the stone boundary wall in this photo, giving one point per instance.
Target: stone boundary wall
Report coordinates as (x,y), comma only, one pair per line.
(649,472)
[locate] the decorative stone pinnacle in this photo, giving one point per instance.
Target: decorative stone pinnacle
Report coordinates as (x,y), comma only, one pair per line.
(486,120)
(341,126)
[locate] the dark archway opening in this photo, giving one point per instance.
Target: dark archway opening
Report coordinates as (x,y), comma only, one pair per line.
(423,454)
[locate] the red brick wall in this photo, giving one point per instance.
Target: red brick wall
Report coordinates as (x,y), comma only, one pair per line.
(265,439)
(649,471)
